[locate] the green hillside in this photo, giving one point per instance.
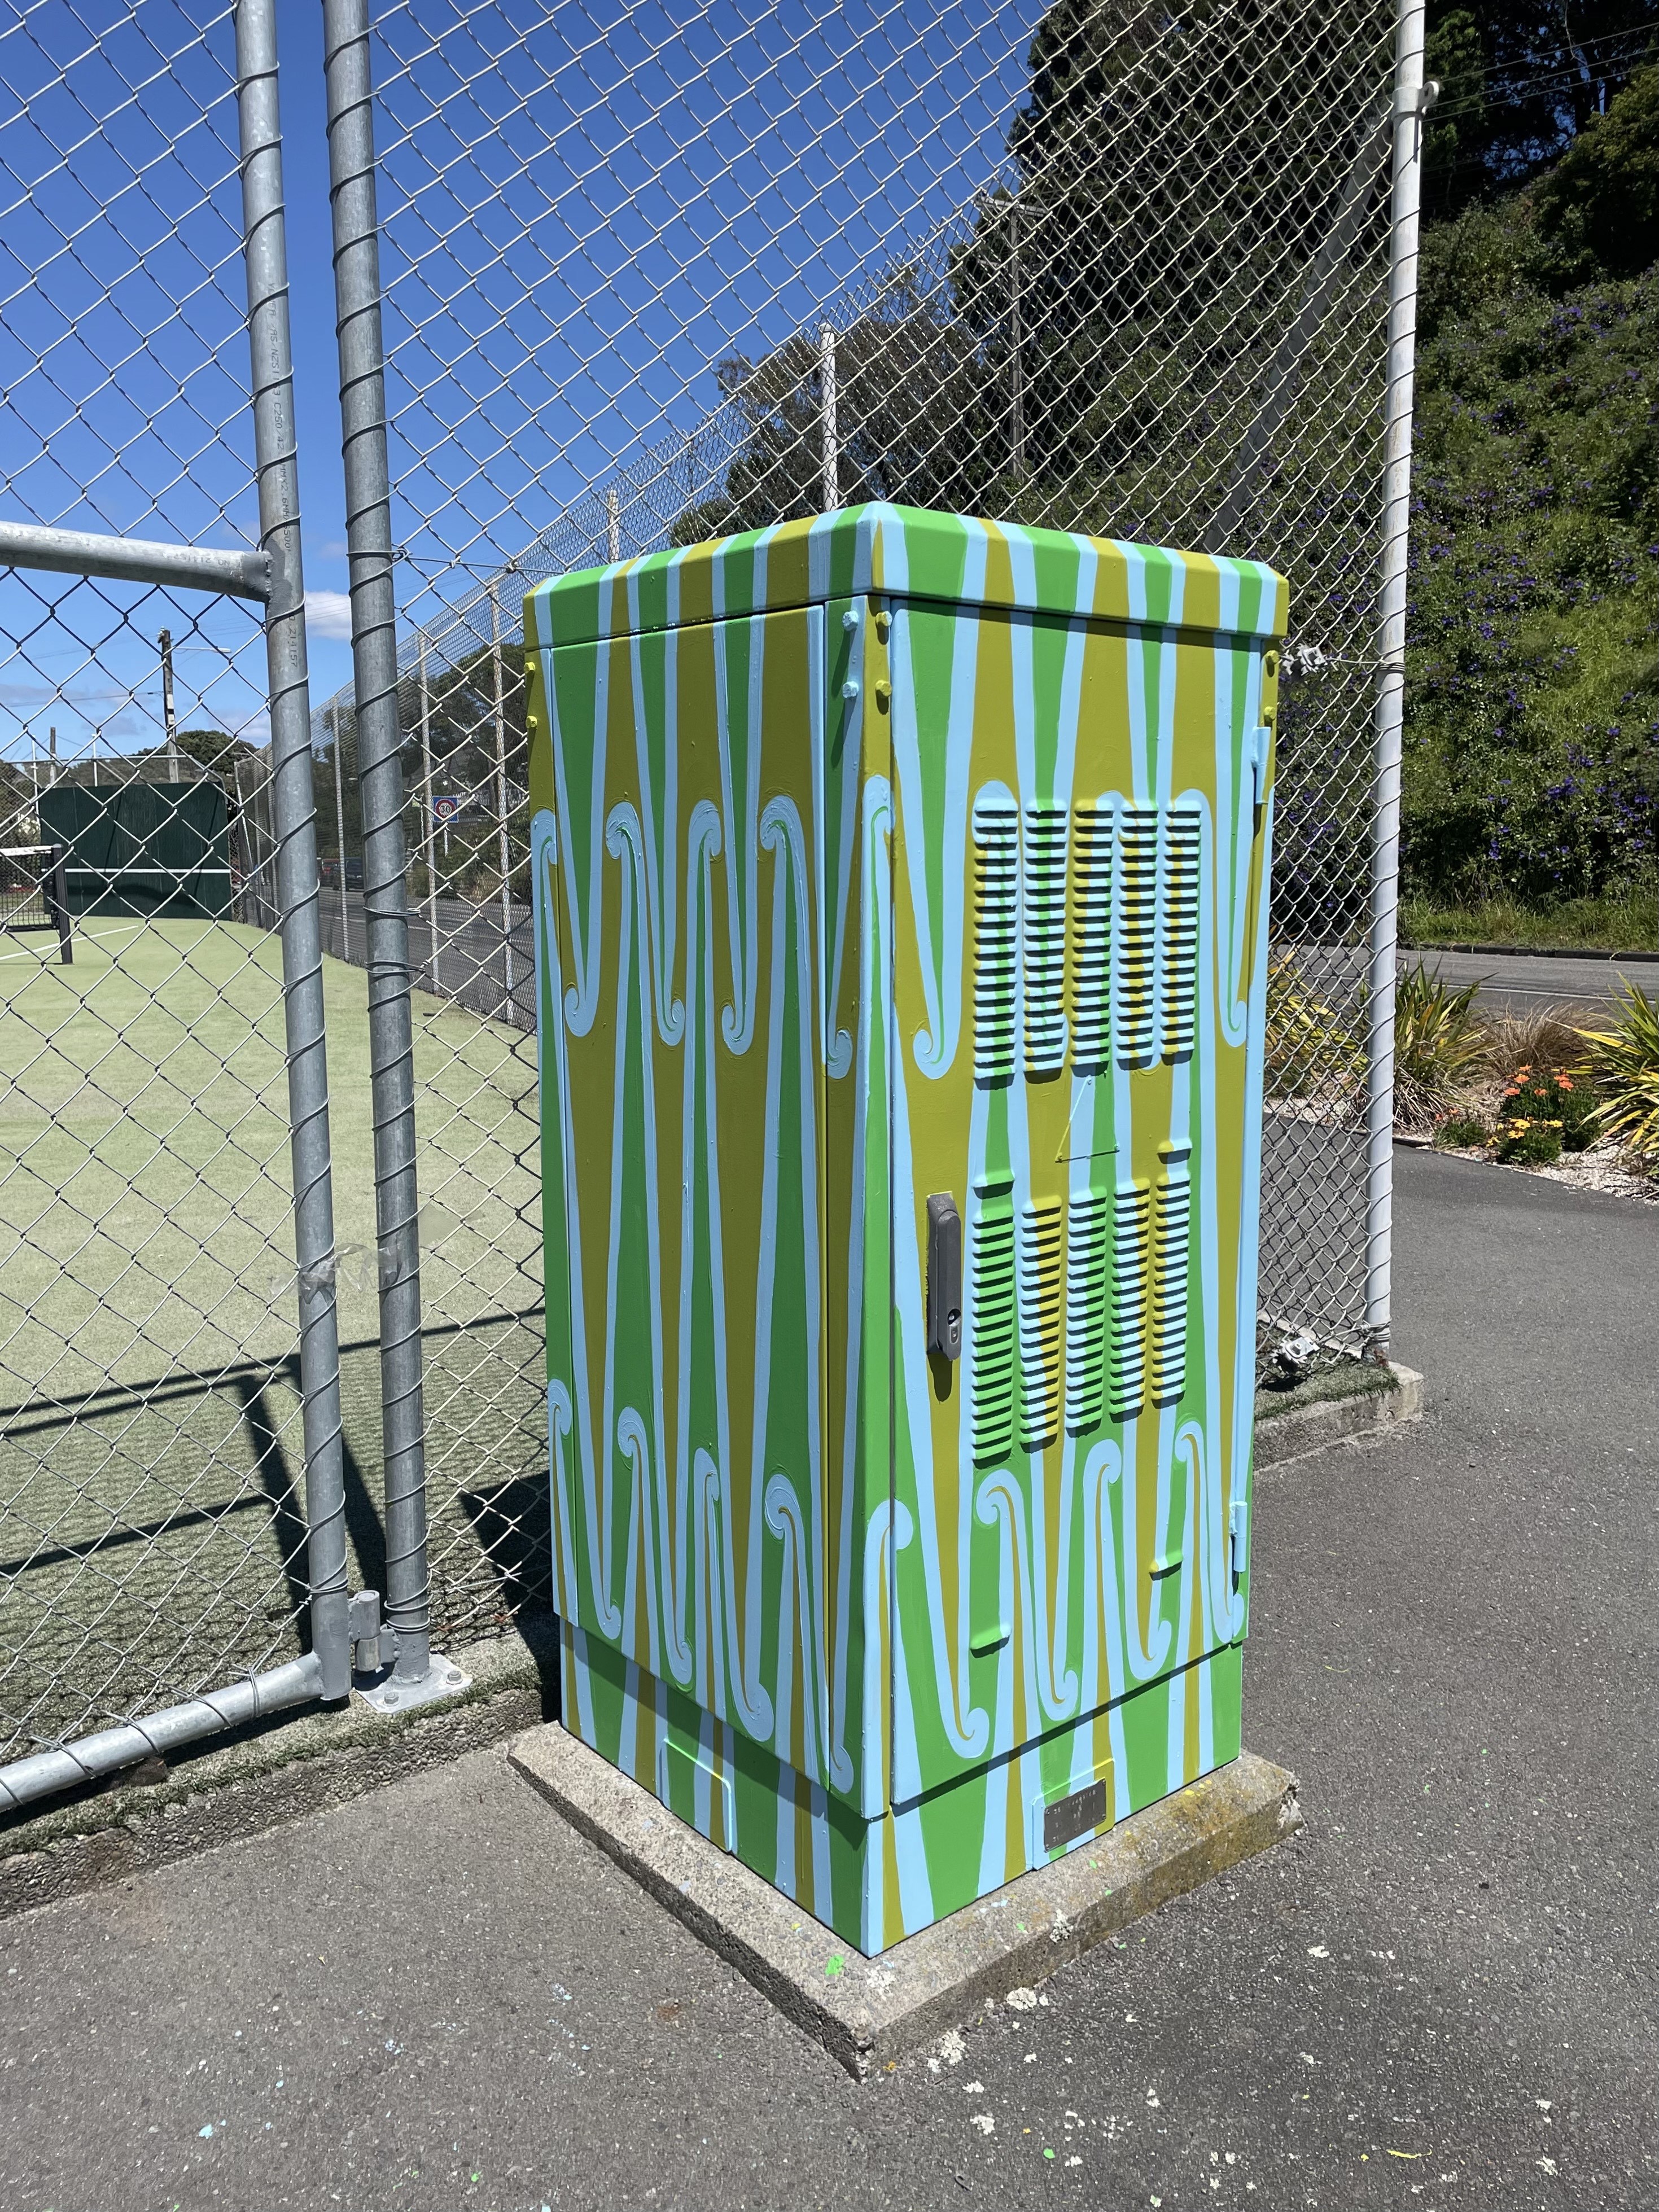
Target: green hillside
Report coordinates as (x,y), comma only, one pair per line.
(1532,745)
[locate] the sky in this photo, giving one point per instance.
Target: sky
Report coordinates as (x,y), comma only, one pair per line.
(586,205)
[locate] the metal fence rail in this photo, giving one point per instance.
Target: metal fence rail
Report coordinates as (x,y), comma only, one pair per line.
(607,279)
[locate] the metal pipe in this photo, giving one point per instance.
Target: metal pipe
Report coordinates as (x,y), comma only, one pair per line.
(44,1772)
(503,856)
(1017,340)
(1412,99)
(831,434)
(380,788)
(613,523)
(134,560)
(294,829)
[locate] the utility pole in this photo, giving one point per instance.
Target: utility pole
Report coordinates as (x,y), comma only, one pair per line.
(52,755)
(169,719)
(339,824)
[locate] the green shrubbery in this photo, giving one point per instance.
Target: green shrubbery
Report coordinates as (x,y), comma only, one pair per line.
(1624,1063)
(1438,1046)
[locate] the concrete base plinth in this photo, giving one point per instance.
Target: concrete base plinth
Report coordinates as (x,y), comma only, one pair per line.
(865,2011)
(1352,1403)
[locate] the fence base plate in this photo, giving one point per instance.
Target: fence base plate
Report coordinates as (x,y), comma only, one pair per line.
(441,1681)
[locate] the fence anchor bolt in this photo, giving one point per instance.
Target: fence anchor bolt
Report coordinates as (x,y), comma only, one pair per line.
(374,1652)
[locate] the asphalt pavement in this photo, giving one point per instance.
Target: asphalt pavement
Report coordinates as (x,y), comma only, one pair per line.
(1441,1994)
(1526,981)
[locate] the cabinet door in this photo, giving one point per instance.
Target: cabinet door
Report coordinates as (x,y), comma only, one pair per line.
(680,923)
(1076,891)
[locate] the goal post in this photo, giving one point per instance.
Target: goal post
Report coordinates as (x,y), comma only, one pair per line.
(34,893)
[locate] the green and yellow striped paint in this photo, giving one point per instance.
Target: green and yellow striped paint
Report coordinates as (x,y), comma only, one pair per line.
(889,854)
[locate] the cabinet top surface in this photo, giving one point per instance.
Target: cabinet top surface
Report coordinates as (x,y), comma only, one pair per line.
(907,552)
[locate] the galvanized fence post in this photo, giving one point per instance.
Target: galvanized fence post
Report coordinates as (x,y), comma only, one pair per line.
(1411,99)
(380,785)
(503,857)
(294,831)
(828,429)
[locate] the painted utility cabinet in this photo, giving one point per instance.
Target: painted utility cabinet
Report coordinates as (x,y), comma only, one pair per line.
(899,889)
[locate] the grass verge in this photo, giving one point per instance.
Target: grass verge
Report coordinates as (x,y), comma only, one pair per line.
(1629,923)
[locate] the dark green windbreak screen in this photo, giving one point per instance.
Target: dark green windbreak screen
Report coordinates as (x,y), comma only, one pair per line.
(143,848)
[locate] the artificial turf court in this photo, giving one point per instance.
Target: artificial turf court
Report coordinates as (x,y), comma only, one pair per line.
(151,1519)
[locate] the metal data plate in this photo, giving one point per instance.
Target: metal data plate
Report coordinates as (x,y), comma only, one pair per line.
(1068,1818)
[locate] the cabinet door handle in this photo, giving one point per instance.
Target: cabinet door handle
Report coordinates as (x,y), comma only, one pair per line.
(944,1277)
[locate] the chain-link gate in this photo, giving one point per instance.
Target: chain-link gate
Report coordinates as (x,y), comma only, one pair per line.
(169,1441)
(608,280)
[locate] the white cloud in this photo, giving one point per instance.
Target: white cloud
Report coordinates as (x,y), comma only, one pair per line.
(328,614)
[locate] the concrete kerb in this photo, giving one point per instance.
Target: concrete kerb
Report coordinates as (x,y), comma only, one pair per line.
(1352,1402)
(227,1788)
(868,2011)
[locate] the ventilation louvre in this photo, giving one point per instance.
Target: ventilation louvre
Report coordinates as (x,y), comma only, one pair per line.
(1134,939)
(1131,1209)
(996,933)
(1183,852)
(994,1317)
(1085,1310)
(1039,1324)
(1044,917)
(1091,940)
(1171,1247)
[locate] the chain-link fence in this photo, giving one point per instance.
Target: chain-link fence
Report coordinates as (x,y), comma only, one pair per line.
(639,276)
(650,280)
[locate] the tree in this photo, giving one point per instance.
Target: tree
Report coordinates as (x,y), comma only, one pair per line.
(1519,84)
(1532,761)
(905,404)
(1600,203)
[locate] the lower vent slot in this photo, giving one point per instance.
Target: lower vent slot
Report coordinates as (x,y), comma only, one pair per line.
(993,1318)
(1131,1208)
(1085,1312)
(1171,1247)
(1039,1325)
